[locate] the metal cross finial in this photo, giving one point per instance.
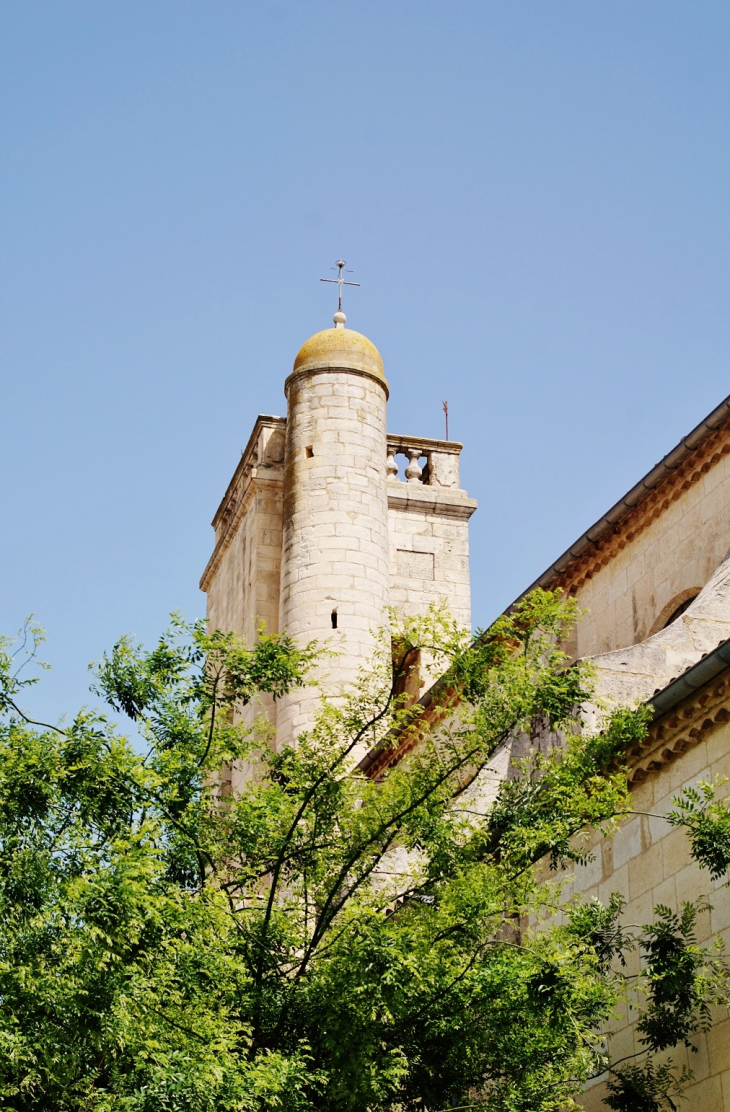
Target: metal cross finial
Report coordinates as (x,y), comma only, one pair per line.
(340,264)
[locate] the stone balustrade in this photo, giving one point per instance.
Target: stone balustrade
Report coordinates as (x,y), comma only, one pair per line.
(429,462)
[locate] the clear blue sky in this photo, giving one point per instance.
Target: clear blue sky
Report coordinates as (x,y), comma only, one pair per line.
(534,196)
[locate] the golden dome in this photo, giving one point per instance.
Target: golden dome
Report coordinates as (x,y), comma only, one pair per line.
(340,348)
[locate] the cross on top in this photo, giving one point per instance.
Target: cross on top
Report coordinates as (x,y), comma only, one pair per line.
(340,264)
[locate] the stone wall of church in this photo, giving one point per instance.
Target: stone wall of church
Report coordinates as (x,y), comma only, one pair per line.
(649,863)
(664,557)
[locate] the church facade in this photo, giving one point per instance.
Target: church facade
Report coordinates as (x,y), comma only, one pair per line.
(329,520)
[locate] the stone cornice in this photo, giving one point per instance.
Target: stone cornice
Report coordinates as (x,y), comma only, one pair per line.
(257,479)
(308,372)
(426,499)
(690,722)
(248,460)
(441,700)
(401,443)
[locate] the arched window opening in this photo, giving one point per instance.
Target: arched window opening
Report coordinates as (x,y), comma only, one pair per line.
(676,613)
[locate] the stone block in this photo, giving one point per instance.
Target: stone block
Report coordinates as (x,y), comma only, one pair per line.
(676,854)
(717,747)
(664,795)
(635,569)
(705,1095)
(592,1100)
(720,915)
(644,871)
(691,767)
(589,875)
(347,390)
(720,768)
(617,586)
(627,843)
(623,1043)
(715,478)
(657,826)
(617,881)
(639,909)
(717,1041)
(665,893)
(691,882)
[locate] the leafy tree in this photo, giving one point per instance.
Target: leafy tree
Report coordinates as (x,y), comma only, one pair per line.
(325,939)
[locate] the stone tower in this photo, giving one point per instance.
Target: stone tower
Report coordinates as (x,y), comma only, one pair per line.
(335,568)
(316,533)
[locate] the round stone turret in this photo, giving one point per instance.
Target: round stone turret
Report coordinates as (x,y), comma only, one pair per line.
(335,565)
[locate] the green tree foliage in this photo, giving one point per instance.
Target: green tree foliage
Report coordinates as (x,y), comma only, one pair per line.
(326,939)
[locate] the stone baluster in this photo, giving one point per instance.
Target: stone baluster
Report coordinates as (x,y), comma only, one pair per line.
(391,467)
(413,471)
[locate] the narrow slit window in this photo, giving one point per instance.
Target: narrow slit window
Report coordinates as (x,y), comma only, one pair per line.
(334,619)
(309,451)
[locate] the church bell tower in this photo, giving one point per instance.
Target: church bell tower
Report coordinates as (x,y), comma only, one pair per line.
(317,534)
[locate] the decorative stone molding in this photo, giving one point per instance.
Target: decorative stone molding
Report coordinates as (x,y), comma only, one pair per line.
(683,598)
(688,724)
(422,499)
